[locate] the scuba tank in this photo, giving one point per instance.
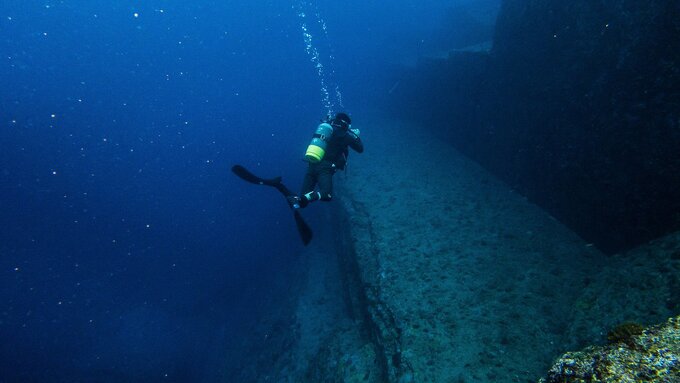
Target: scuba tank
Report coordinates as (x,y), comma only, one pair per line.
(317,148)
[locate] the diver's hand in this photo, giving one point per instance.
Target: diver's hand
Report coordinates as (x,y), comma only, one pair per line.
(354,133)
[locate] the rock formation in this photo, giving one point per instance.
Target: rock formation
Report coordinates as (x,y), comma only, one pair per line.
(652,356)
(577,105)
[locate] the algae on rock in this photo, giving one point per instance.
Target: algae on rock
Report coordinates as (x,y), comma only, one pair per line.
(652,356)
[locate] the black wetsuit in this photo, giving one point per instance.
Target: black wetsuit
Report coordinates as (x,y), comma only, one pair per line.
(321,173)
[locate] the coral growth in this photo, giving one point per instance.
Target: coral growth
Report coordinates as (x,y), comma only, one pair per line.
(651,356)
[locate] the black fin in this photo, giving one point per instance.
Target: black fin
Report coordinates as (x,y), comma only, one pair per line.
(304,229)
(247,176)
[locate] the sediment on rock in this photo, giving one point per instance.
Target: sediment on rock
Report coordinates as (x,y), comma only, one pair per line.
(463,279)
(641,285)
(363,300)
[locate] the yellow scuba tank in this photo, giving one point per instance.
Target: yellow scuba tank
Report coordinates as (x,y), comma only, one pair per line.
(317,148)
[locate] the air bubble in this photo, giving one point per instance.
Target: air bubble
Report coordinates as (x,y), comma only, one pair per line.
(330,101)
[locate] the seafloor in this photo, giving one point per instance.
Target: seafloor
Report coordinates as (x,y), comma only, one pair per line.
(438,272)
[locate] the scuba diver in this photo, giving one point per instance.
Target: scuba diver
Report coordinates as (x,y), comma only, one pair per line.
(326,154)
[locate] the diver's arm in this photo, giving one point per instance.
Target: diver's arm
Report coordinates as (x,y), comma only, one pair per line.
(356,143)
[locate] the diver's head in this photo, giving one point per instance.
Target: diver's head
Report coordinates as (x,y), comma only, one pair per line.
(341,120)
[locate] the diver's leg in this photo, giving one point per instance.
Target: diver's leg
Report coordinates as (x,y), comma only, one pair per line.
(325,181)
(308,184)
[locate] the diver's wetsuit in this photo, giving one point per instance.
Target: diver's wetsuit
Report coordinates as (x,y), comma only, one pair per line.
(321,173)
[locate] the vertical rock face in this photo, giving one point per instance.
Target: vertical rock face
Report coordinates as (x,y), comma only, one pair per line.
(578,105)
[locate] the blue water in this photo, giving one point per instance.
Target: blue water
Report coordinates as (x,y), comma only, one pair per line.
(128,249)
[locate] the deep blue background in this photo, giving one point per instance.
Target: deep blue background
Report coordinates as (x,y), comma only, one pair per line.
(128,249)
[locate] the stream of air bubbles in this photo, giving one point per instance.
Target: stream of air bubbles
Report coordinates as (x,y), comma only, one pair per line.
(312,24)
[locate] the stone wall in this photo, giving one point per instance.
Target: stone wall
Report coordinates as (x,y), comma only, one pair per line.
(577,106)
